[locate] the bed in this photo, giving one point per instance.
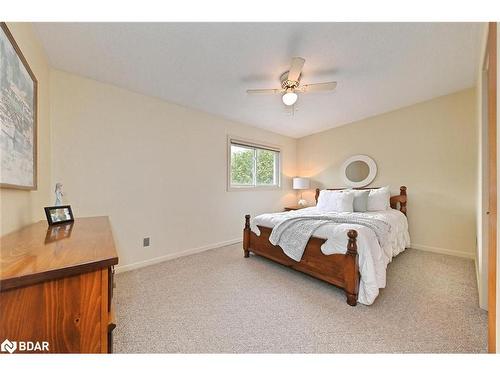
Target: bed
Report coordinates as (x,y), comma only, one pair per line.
(345,255)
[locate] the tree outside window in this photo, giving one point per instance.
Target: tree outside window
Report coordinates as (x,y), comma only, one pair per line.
(253,166)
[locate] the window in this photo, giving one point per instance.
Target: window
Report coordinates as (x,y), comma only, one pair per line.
(253,166)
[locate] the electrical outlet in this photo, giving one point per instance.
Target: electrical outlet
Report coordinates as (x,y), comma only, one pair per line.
(145,242)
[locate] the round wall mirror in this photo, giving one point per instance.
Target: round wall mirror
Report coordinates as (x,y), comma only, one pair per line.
(358,171)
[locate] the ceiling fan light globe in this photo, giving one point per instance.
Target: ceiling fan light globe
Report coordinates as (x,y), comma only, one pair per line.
(289,98)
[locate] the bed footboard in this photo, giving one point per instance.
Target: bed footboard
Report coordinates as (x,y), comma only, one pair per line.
(341,270)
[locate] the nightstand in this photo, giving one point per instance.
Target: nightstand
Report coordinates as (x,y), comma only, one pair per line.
(293,208)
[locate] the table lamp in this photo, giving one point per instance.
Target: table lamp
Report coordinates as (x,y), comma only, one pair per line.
(301,183)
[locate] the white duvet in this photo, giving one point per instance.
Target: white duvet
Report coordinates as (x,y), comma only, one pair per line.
(373,259)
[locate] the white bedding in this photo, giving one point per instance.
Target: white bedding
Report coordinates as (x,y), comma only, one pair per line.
(373,259)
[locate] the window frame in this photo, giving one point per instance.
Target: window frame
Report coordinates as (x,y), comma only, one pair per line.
(255,145)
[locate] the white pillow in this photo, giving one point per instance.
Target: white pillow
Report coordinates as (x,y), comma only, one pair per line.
(360,199)
(343,201)
(335,201)
(324,200)
(378,199)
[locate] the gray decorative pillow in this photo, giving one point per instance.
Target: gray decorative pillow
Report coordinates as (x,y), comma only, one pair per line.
(360,200)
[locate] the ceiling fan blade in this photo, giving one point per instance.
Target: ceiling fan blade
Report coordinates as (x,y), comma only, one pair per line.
(296,68)
(265,91)
(314,87)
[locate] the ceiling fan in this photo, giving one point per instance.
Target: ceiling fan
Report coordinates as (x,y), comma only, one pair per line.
(290,84)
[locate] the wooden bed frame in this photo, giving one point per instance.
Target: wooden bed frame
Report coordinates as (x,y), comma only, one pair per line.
(341,270)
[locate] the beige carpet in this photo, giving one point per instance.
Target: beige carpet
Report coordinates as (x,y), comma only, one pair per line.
(219,302)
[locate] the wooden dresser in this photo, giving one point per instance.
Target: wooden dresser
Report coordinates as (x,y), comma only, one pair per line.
(56,287)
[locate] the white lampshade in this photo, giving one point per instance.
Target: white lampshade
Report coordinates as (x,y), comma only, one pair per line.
(300,183)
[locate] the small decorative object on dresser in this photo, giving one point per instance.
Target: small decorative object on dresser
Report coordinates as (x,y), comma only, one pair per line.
(59,194)
(59,214)
(301,183)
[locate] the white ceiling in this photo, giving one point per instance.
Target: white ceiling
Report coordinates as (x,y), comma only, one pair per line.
(379,66)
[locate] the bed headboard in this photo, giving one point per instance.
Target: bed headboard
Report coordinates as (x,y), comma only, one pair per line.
(396,201)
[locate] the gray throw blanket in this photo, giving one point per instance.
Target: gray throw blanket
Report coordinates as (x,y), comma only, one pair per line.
(293,234)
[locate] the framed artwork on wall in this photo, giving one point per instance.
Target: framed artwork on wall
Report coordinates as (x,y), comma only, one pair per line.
(18,116)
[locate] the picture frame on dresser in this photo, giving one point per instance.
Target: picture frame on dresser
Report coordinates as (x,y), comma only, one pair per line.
(59,215)
(18,116)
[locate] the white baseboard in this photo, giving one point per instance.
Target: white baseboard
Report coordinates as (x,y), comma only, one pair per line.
(440,250)
(163,258)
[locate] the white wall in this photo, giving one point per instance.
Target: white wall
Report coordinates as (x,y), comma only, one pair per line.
(156,168)
(20,207)
(430,147)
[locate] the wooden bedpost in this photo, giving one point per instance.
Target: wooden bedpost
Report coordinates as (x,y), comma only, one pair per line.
(400,200)
(246,236)
(317,195)
(351,269)
(402,192)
